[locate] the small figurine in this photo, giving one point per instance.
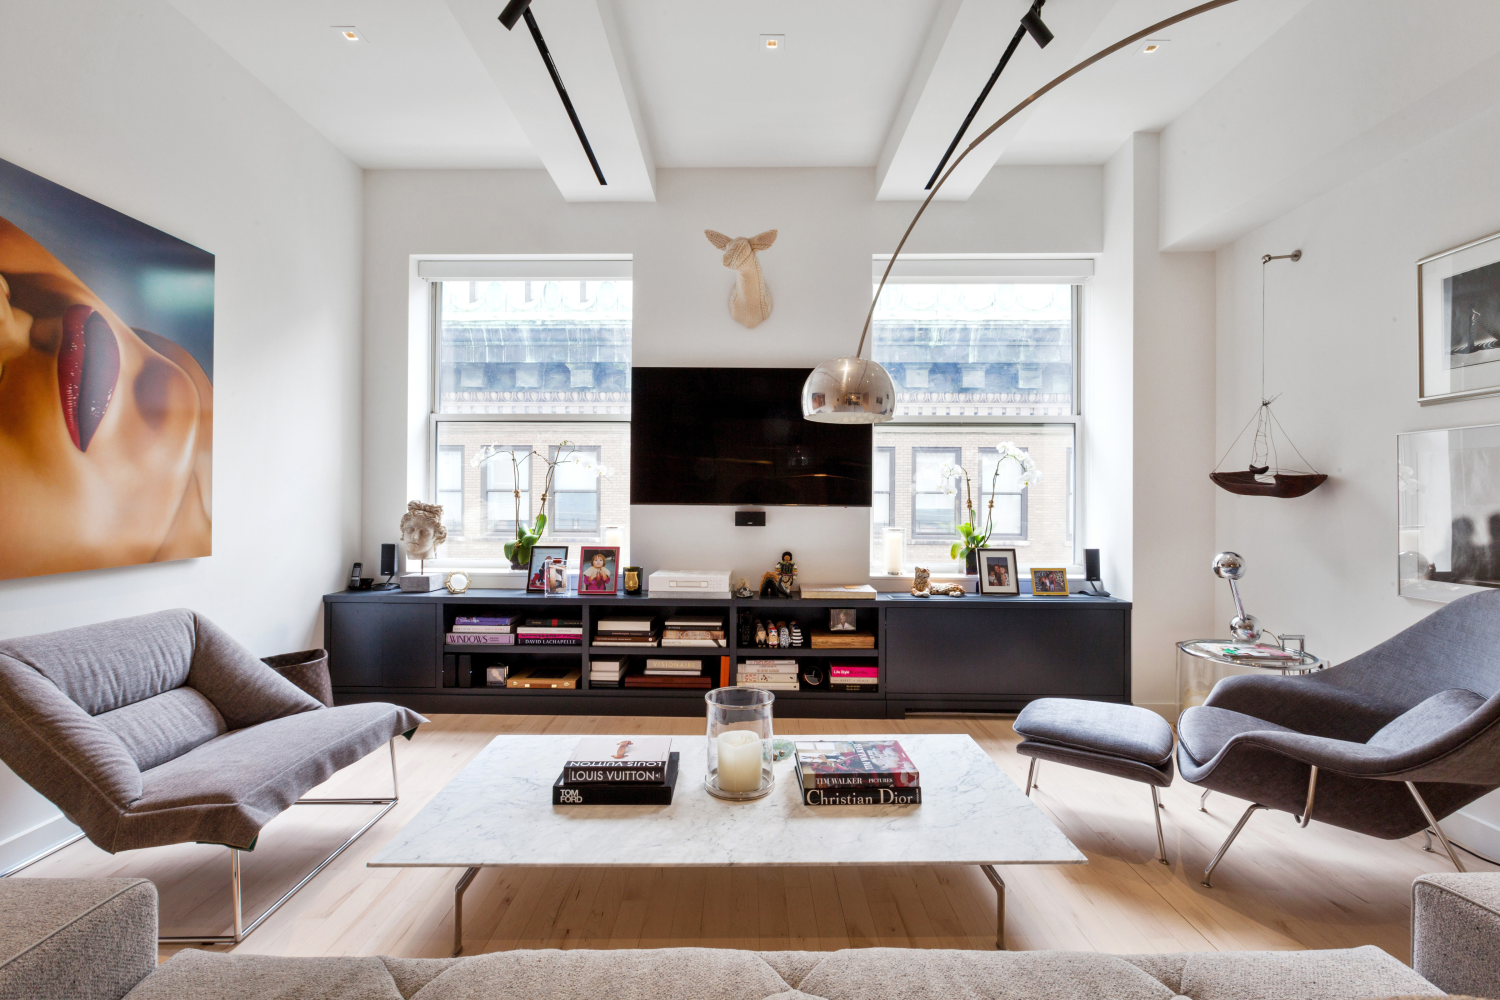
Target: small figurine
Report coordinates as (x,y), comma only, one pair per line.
(773,638)
(743,590)
(786,635)
(796,635)
(781,579)
(760,633)
(922,586)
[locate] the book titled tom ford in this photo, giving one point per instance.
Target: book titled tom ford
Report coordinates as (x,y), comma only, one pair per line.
(862,796)
(618,760)
(618,795)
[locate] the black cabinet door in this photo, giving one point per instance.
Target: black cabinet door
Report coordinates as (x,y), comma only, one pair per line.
(383,644)
(994,650)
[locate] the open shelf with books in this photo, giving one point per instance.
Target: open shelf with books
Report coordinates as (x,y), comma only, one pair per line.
(972,654)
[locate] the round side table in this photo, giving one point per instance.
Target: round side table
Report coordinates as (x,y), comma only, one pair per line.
(1201,665)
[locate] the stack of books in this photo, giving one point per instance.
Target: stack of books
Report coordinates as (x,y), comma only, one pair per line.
(671,674)
(853,676)
(693,632)
(857,773)
(550,632)
(768,675)
(606,673)
(492,630)
(823,639)
(616,771)
(625,632)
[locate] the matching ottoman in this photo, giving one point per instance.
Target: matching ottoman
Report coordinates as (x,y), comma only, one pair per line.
(1121,740)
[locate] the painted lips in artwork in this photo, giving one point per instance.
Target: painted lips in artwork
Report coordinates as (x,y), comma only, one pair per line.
(106,398)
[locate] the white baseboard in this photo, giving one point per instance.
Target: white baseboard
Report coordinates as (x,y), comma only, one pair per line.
(29,845)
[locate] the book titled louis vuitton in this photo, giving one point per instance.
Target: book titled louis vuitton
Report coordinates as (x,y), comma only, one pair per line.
(618,760)
(659,794)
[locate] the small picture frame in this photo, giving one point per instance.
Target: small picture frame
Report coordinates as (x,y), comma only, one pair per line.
(1049,581)
(555,572)
(999,574)
(599,569)
(841,620)
(536,578)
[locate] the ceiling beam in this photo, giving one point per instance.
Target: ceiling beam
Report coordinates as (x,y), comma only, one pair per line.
(960,53)
(584,45)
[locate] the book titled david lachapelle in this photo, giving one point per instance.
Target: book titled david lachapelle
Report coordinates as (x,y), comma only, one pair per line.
(618,760)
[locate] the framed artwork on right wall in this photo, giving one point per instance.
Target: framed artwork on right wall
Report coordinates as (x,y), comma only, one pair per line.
(1458,322)
(1448,512)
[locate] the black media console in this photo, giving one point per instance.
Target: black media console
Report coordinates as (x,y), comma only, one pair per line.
(939,654)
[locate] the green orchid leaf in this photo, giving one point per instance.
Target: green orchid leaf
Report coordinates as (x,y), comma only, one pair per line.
(953,552)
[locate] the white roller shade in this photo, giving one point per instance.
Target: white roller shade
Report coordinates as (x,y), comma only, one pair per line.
(978,271)
(528,269)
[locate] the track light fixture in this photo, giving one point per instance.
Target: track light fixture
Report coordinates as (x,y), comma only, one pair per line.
(1031,22)
(514,11)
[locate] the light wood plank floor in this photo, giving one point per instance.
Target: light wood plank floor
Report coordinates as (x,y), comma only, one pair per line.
(1280,887)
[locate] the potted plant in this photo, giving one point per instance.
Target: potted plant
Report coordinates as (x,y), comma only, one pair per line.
(971,539)
(519,550)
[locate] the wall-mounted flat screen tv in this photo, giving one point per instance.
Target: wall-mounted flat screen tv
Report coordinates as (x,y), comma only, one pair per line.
(736,436)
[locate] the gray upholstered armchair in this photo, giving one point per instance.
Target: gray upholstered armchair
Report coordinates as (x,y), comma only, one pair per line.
(1386,744)
(162,730)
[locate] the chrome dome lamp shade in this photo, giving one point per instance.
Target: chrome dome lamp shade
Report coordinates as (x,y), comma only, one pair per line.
(854,390)
(849,391)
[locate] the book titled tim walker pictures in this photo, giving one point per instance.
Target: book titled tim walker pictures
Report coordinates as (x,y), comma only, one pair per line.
(618,770)
(856,772)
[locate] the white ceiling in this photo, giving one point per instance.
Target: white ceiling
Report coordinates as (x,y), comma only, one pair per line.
(686,83)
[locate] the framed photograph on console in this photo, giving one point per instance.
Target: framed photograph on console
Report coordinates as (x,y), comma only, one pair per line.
(1458,322)
(536,576)
(1049,582)
(599,569)
(997,572)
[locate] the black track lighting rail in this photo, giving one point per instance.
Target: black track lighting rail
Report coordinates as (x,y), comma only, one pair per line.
(517,9)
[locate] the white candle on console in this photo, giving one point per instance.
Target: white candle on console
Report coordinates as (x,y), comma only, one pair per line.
(895,544)
(739,761)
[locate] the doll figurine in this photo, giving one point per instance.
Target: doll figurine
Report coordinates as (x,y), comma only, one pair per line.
(760,633)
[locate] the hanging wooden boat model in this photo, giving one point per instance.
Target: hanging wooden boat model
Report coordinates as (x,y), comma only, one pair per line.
(1285,486)
(1261,479)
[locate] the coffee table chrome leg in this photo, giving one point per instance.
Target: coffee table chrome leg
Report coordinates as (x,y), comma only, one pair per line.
(458,909)
(999,884)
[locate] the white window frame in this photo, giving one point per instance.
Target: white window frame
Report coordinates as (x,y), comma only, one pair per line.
(433,270)
(950,269)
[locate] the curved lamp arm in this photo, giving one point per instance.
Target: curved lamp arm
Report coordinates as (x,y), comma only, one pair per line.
(1143,33)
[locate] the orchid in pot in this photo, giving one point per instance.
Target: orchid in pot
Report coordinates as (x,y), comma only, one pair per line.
(519,550)
(971,538)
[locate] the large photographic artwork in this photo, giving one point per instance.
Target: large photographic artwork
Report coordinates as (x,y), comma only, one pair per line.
(1448,502)
(1459,321)
(106,385)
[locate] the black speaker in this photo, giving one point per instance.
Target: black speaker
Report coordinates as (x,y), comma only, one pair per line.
(388,559)
(1091,564)
(749,519)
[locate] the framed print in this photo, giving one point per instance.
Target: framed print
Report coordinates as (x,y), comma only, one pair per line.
(555,572)
(1049,582)
(1458,322)
(997,572)
(1448,512)
(106,398)
(536,576)
(599,569)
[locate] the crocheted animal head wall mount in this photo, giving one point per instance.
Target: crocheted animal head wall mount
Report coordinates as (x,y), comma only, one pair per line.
(750,302)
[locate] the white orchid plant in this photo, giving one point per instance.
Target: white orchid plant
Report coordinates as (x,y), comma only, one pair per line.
(519,551)
(948,473)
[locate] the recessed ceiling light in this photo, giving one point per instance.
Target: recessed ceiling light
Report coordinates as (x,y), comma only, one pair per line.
(1151,46)
(349,32)
(773,43)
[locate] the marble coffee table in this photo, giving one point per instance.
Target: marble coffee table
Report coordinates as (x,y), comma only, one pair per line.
(498,812)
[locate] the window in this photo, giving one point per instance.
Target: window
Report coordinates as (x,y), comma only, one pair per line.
(534,355)
(883,477)
(504,471)
(450,487)
(575,491)
(934,502)
(978,362)
(1007,518)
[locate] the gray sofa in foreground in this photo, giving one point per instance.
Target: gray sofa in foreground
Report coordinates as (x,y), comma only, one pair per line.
(95,939)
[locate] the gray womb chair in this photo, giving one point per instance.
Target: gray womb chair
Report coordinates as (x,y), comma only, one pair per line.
(163,730)
(1386,744)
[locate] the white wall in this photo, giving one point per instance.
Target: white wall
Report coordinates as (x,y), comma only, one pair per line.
(818,273)
(131,105)
(1343,357)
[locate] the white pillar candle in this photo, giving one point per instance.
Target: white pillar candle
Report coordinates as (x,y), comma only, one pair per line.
(612,537)
(895,544)
(739,761)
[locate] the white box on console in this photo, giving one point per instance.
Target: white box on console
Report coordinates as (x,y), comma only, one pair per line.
(421,583)
(699,582)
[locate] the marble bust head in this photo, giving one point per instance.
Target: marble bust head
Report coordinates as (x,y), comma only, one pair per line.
(422,529)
